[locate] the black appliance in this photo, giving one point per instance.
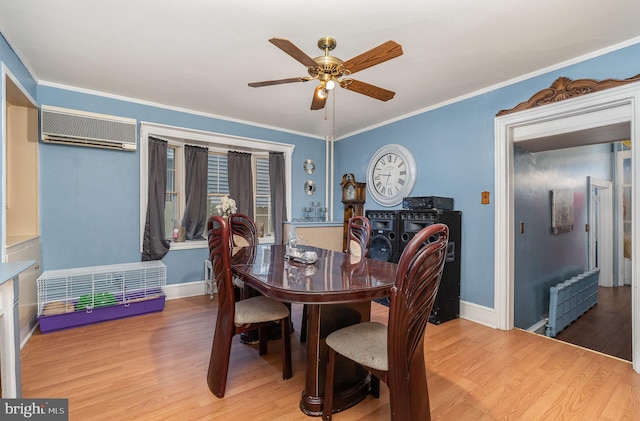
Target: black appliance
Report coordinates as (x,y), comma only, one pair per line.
(384,235)
(447,304)
(428,202)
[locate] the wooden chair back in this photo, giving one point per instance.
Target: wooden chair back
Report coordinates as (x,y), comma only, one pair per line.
(358,236)
(243,230)
(412,298)
(220,255)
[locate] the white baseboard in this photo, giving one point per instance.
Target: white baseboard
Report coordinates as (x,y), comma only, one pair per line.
(469,311)
(27,332)
(187,289)
(478,314)
(539,326)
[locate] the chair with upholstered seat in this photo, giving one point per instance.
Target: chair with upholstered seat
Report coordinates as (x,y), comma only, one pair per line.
(358,236)
(237,317)
(395,353)
(244,233)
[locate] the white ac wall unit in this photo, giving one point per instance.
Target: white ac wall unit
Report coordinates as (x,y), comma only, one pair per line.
(73,127)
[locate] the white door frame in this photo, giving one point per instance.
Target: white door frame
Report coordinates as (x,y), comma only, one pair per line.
(601,229)
(547,123)
(620,157)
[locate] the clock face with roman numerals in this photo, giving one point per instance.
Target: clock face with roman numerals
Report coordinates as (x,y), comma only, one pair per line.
(391,174)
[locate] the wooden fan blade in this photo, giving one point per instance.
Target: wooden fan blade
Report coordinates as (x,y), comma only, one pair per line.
(289,48)
(377,55)
(279,81)
(318,103)
(367,89)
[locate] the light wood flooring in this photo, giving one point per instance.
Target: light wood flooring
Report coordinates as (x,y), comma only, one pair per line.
(153,367)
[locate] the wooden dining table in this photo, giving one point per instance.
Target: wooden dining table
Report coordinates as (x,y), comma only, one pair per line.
(338,289)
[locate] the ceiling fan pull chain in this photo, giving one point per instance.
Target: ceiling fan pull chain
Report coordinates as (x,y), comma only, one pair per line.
(333,134)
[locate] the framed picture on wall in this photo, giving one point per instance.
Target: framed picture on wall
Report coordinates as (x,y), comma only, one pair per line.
(561,211)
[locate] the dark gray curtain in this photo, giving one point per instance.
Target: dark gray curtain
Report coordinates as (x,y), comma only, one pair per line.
(278,193)
(154,244)
(241,182)
(195,212)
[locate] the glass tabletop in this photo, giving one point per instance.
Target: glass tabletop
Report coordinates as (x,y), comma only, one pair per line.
(334,277)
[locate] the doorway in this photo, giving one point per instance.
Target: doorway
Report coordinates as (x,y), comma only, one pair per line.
(599,117)
(601,229)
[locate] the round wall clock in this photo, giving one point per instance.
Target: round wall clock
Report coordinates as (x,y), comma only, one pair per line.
(391,174)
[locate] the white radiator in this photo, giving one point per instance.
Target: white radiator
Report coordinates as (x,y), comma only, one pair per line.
(571,299)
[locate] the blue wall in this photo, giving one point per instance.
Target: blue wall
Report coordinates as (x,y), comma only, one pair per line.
(454,149)
(16,67)
(541,258)
(90,197)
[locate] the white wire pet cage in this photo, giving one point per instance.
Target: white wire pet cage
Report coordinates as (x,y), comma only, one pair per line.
(75,297)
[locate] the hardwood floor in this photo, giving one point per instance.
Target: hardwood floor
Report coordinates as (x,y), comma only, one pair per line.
(153,367)
(606,327)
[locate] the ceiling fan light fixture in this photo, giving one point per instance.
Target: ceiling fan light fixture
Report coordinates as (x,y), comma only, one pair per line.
(321,92)
(329,85)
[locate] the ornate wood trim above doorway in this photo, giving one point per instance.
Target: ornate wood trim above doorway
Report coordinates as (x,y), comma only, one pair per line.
(565,88)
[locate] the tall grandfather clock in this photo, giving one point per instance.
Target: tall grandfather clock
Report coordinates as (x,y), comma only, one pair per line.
(353,196)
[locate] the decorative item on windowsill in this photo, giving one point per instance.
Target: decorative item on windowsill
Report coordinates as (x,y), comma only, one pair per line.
(226,207)
(260,228)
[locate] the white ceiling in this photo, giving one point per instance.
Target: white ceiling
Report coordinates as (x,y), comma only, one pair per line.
(199,55)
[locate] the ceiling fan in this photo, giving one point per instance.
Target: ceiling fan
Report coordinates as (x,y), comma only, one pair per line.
(329,70)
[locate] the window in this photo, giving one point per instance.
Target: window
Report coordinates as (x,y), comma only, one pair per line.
(263,193)
(217,186)
(217,179)
(172,198)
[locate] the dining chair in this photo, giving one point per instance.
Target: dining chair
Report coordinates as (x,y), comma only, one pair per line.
(234,317)
(243,233)
(243,230)
(394,353)
(358,236)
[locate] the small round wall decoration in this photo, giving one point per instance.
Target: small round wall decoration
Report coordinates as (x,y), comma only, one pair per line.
(309,166)
(309,187)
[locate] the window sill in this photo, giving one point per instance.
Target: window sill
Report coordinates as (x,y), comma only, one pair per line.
(202,244)
(188,245)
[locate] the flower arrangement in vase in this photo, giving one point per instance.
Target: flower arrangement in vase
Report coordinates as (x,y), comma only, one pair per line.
(226,207)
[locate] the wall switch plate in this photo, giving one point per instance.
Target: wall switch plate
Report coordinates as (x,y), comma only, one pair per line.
(485,198)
